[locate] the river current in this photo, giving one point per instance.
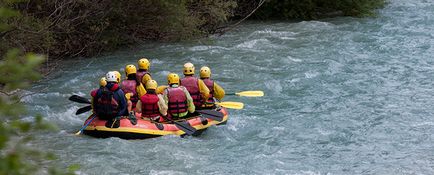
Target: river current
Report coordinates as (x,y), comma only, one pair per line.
(342,96)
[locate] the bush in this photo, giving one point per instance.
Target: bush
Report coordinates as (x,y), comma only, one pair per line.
(84,28)
(314,9)
(70,28)
(18,70)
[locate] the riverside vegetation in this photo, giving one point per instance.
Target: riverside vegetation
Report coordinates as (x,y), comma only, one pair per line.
(69,28)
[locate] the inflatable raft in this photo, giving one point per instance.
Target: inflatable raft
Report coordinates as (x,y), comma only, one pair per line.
(148,129)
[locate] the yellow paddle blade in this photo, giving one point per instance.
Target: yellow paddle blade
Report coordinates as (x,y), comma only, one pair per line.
(231,104)
(250,93)
(78,133)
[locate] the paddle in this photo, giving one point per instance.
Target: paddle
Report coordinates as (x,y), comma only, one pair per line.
(186,127)
(87,124)
(231,104)
(248,93)
(78,99)
(211,114)
(83,110)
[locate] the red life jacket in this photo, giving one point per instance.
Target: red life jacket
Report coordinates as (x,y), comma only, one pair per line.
(140,73)
(149,105)
(177,100)
(192,85)
(210,84)
(106,105)
(129,86)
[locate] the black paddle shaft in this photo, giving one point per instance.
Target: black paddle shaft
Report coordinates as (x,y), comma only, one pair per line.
(211,114)
(186,127)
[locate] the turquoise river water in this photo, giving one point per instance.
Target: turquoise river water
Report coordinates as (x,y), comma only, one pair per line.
(342,96)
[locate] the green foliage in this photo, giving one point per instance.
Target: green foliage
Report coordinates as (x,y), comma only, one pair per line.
(211,14)
(314,9)
(70,28)
(84,28)
(17,70)
(6,13)
(14,65)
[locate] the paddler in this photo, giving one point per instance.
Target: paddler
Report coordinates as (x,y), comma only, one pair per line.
(196,87)
(177,98)
(118,76)
(102,84)
(110,102)
(131,85)
(143,74)
(215,90)
(152,105)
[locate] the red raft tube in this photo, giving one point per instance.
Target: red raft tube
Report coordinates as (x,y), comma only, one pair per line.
(148,129)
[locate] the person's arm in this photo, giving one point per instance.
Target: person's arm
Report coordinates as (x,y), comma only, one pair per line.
(219,92)
(140,90)
(146,78)
(162,106)
(166,99)
(190,103)
(139,106)
(160,89)
(204,91)
(93,100)
(123,111)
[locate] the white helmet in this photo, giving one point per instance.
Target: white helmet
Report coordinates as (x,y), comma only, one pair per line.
(111,76)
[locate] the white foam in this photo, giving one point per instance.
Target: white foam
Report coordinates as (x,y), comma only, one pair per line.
(293,80)
(67,116)
(287,38)
(237,123)
(294,59)
(156,61)
(30,98)
(315,25)
(423,124)
(166,172)
(278,128)
(311,74)
(276,34)
(274,85)
(206,48)
(253,43)
(197,60)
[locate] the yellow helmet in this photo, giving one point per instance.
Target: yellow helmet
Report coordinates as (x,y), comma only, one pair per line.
(118,76)
(103,82)
(144,63)
(205,72)
(173,78)
(188,69)
(151,84)
(130,69)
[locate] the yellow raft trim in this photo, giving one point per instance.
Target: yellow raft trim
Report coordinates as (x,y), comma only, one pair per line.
(152,131)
